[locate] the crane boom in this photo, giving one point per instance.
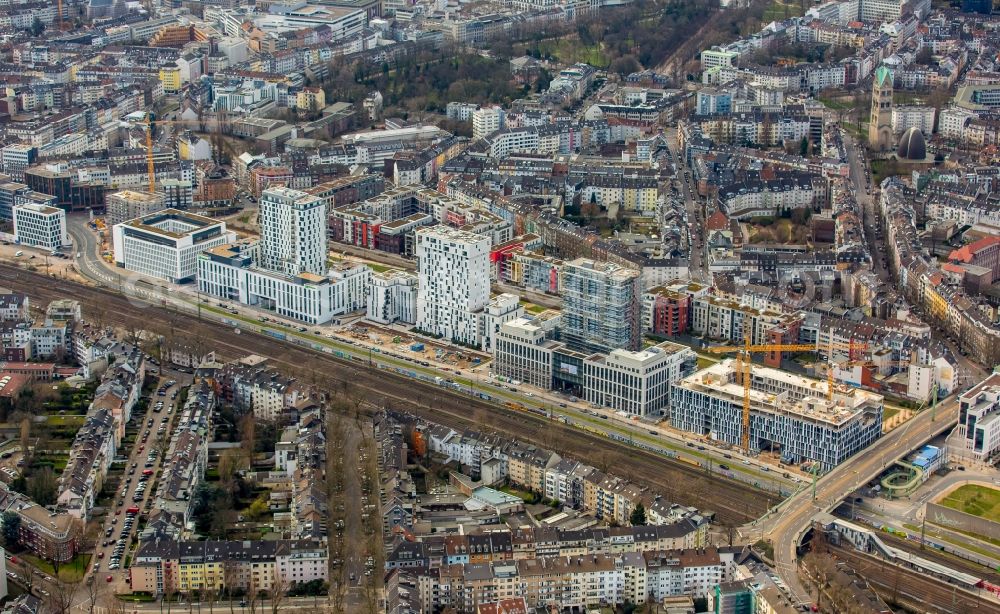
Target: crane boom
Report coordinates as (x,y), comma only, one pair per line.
(150,168)
(744,365)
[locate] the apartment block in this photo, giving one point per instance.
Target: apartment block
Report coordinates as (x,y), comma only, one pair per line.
(49,535)
(729,320)
(166,566)
(601,306)
(578,581)
(292,232)
(453,282)
(229,272)
(668,310)
(486,121)
(637,383)
(392,297)
(786,410)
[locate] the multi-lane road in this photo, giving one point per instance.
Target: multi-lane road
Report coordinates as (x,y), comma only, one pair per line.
(786,525)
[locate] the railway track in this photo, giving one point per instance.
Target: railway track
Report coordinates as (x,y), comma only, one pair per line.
(733,502)
(925,593)
(950,560)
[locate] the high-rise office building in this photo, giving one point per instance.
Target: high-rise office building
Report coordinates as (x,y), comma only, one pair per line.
(292,232)
(453,272)
(601,306)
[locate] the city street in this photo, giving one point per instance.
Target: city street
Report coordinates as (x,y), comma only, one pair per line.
(789,520)
(142,466)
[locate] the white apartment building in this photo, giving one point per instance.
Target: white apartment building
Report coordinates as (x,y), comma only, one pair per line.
(905,117)
(67,145)
(302,565)
(502,308)
(16,157)
(952,122)
(487,121)
(453,273)
(292,232)
(40,226)
(524,349)
(881,10)
(461,111)
(720,318)
(392,297)
(166,244)
(637,383)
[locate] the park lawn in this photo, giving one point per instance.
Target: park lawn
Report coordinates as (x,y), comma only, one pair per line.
(533,308)
(836,104)
(888,411)
(779,11)
(981,501)
(67,421)
(71,572)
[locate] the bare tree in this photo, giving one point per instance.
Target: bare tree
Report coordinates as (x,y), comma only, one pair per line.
(61,596)
(253,599)
(93,592)
(25,438)
(133,334)
(113,605)
(230,575)
(279,591)
(25,575)
(248,437)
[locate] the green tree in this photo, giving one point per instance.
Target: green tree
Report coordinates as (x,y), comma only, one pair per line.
(37,27)
(804,147)
(638,516)
(257,509)
(10,522)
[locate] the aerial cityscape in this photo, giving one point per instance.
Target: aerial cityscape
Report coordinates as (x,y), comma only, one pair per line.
(521,307)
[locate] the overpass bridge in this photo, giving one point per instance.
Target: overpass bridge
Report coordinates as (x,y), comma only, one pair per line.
(786,523)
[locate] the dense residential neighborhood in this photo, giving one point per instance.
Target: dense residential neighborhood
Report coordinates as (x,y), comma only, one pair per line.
(420,307)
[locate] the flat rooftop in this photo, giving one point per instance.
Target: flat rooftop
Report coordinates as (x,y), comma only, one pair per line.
(133,196)
(780,392)
(39,208)
(172,223)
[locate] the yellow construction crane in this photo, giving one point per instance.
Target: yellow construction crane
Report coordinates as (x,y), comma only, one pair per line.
(149,146)
(744,361)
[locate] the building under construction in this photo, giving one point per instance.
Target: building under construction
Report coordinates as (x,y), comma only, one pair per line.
(789,413)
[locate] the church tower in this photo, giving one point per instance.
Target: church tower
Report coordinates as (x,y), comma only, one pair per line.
(880,122)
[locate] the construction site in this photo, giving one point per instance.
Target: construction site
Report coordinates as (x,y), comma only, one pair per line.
(762,408)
